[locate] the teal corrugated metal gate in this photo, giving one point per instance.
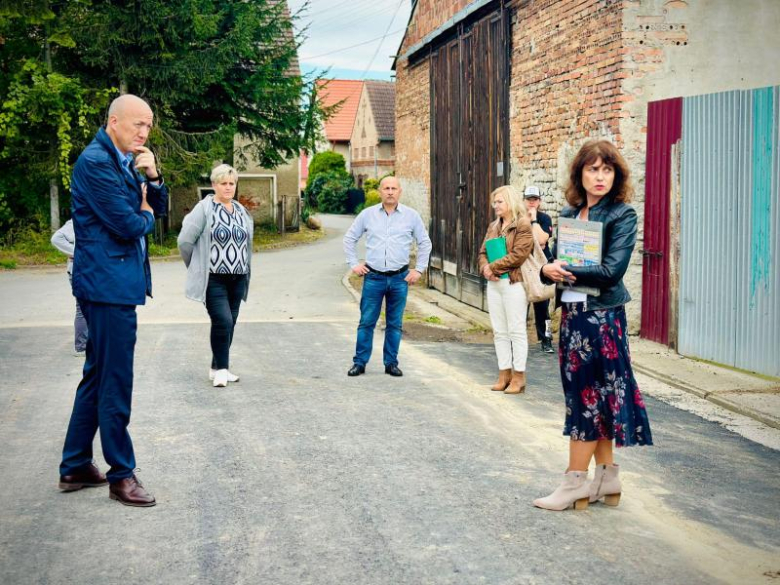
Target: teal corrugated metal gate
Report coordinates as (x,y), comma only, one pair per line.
(729,309)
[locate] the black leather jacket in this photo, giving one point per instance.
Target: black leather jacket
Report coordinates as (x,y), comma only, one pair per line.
(619,239)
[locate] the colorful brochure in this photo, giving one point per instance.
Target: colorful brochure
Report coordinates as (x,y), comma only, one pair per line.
(579,244)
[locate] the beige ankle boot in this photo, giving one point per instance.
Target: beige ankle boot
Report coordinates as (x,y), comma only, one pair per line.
(504,377)
(606,484)
(517,385)
(575,489)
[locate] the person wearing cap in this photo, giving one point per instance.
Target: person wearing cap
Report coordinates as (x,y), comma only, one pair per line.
(542,229)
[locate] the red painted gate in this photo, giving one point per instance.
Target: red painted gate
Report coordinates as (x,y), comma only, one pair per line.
(664,128)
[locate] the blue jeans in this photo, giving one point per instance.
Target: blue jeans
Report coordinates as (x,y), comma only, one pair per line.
(375,288)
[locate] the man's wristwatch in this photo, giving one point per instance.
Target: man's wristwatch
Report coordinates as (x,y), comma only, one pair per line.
(156,179)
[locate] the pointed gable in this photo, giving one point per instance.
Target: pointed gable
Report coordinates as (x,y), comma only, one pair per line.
(381,96)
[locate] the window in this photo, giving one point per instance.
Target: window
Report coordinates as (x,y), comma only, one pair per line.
(363,152)
(371,152)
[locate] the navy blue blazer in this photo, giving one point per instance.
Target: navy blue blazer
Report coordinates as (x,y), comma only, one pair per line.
(109,264)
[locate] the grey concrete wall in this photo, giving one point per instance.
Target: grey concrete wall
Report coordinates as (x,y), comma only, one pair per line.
(677,48)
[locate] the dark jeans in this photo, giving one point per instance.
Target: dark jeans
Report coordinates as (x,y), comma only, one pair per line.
(541,316)
(224,294)
(393,289)
(105,394)
(79,325)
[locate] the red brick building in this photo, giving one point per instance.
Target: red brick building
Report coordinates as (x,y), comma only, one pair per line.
(491,92)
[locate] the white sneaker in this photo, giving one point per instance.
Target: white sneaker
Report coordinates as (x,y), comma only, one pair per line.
(231,377)
(221,378)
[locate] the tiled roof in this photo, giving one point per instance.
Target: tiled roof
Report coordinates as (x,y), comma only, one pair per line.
(381,96)
(295,68)
(339,126)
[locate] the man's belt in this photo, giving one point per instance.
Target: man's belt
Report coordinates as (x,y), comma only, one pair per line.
(389,272)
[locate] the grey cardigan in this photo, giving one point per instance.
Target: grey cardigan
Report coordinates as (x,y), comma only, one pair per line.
(195,244)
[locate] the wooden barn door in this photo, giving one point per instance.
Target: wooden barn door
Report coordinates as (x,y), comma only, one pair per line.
(469,148)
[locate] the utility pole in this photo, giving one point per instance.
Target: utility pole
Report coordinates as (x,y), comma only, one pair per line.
(54,189)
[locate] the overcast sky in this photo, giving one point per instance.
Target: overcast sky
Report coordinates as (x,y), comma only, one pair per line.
(355,38)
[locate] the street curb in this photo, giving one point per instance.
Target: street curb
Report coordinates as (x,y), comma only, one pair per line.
(350,289)
(708,396)
(712,397)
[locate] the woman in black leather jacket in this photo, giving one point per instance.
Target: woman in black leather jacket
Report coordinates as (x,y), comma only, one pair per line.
(603,402)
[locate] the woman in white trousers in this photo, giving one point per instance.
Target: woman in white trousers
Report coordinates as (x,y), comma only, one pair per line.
(505,293)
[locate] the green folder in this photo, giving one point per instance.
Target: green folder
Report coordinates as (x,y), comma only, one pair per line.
(496,249)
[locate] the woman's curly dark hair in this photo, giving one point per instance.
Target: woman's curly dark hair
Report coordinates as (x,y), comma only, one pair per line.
(590,152)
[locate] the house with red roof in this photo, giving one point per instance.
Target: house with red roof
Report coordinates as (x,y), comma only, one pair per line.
(344,93)
(373,135)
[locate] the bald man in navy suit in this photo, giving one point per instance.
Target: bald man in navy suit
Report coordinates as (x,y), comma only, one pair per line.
(113,208)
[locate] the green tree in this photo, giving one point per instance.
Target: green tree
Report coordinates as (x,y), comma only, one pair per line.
(209,68)
(326,162)
(332,195)
(46,116)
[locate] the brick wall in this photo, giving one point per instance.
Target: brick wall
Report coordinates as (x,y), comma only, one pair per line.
(565,87)
(568,70)
(430,15)
(412,136)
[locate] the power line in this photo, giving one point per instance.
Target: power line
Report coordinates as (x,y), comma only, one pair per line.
(387,33)
(358,13)
(353,46)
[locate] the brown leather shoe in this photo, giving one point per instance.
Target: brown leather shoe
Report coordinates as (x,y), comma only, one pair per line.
(88,476)
(130,492)
(517,385)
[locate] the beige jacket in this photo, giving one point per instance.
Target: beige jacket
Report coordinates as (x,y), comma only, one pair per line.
(519,245)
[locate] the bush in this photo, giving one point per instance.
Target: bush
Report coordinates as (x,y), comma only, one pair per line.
(313,190)
(370,185)
(332,198)
(325,163)
(372,198)
(306,211)
(335,186)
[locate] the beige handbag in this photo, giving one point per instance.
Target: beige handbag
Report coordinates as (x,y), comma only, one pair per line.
(535,290)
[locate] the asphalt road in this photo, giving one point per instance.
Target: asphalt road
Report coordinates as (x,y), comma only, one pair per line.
(300,475)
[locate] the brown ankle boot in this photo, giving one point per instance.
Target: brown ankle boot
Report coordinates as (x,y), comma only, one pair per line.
(504,377)
(517,385)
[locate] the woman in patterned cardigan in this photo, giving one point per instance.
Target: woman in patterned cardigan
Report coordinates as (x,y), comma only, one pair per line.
(216,245)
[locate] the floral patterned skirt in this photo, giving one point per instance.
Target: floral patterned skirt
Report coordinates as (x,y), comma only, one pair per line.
(603,400)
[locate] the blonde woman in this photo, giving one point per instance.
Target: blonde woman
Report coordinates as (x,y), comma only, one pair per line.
(216,245)
(506,297)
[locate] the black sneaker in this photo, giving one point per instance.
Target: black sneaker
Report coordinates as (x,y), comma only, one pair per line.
(547,346)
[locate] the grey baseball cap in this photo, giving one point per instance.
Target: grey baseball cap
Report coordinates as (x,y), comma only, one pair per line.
(532,191)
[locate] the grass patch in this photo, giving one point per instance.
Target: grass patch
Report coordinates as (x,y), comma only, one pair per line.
(434,319)
(168,247)
(28,246)
(268,238)
(31,246)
